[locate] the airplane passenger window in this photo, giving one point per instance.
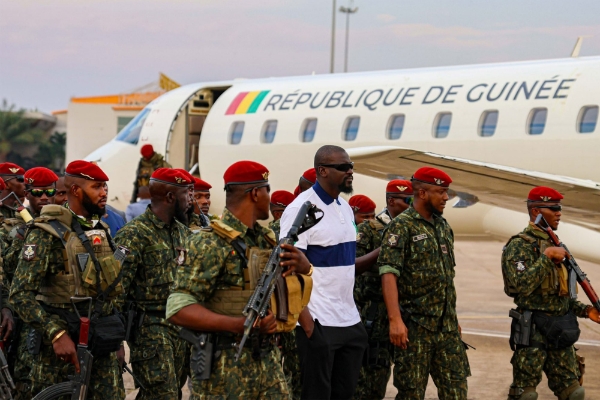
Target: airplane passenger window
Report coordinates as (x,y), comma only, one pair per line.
(309,128)
(395,127)
(131,132)
(588,117)
(488,123)
(537,121)
(237,130)
(269,130)
(351,130)
(442,125)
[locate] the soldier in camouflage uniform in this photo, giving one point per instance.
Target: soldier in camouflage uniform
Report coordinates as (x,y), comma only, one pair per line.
(417,268)
(198,216)
(49,274)
(363,208)
(12,174)
(280,199)
(10,219)
(150,162)
(40,191)
(212,271)
(536,279)
(373,379)
(155,239)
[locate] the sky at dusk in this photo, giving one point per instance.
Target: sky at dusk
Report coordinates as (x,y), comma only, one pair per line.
(53,50)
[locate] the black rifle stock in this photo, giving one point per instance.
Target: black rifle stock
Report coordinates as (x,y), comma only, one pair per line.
(575,272)
(259,301)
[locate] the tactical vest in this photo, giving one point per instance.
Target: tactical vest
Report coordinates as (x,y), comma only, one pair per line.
(79,277)
(555,283)
(232,301)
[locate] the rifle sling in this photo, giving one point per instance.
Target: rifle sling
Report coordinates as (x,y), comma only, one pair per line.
(240,246)
(101,295)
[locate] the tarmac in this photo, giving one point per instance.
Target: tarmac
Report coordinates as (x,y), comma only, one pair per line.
(482,309)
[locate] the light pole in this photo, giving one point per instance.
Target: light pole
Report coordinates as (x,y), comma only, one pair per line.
(347,11)
(332,55)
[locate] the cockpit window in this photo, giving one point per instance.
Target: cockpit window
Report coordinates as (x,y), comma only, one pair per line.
(131,132)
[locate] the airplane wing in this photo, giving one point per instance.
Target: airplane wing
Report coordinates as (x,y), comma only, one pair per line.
(493,184)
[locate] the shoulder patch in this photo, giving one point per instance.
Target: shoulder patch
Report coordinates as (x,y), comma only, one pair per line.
(393,240)
(520,266)
(29,251)
(359,236)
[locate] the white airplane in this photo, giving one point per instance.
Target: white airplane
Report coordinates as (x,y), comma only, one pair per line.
(497,129)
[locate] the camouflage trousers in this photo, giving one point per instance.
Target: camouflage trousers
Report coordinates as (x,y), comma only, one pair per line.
(439,354)
(374,376)
(106,381)
(291,363)
(23,366)
(243,379)
(560,365)
(159,359)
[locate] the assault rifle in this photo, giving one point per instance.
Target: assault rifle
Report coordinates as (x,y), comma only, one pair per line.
(6,382)
(259,301)
(575,272)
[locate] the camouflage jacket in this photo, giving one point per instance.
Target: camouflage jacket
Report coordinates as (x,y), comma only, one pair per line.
(275,226)
(147,167)
(212,263)
(12,237)
(421,255)
(526,269)
(149,268)
(367,286)
(195,224)
(48,260)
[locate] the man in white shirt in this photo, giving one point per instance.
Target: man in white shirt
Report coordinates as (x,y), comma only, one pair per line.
(331,339)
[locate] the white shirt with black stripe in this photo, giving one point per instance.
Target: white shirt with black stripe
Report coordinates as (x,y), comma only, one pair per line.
(331,248)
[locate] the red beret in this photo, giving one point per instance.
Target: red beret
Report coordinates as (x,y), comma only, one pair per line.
(86,170)
(201,186)
(147,151)
(544,194)
(282,198)
(173,176)
(400,186)
(432,176)
(361,203)
(40,177)
(310,175)
(10,169)
(297,191)
(245,172)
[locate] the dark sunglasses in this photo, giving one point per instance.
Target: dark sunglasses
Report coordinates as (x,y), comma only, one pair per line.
(40,192)
(345,167)
(19,179)
(407,200)
(552,208)
(258,187)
